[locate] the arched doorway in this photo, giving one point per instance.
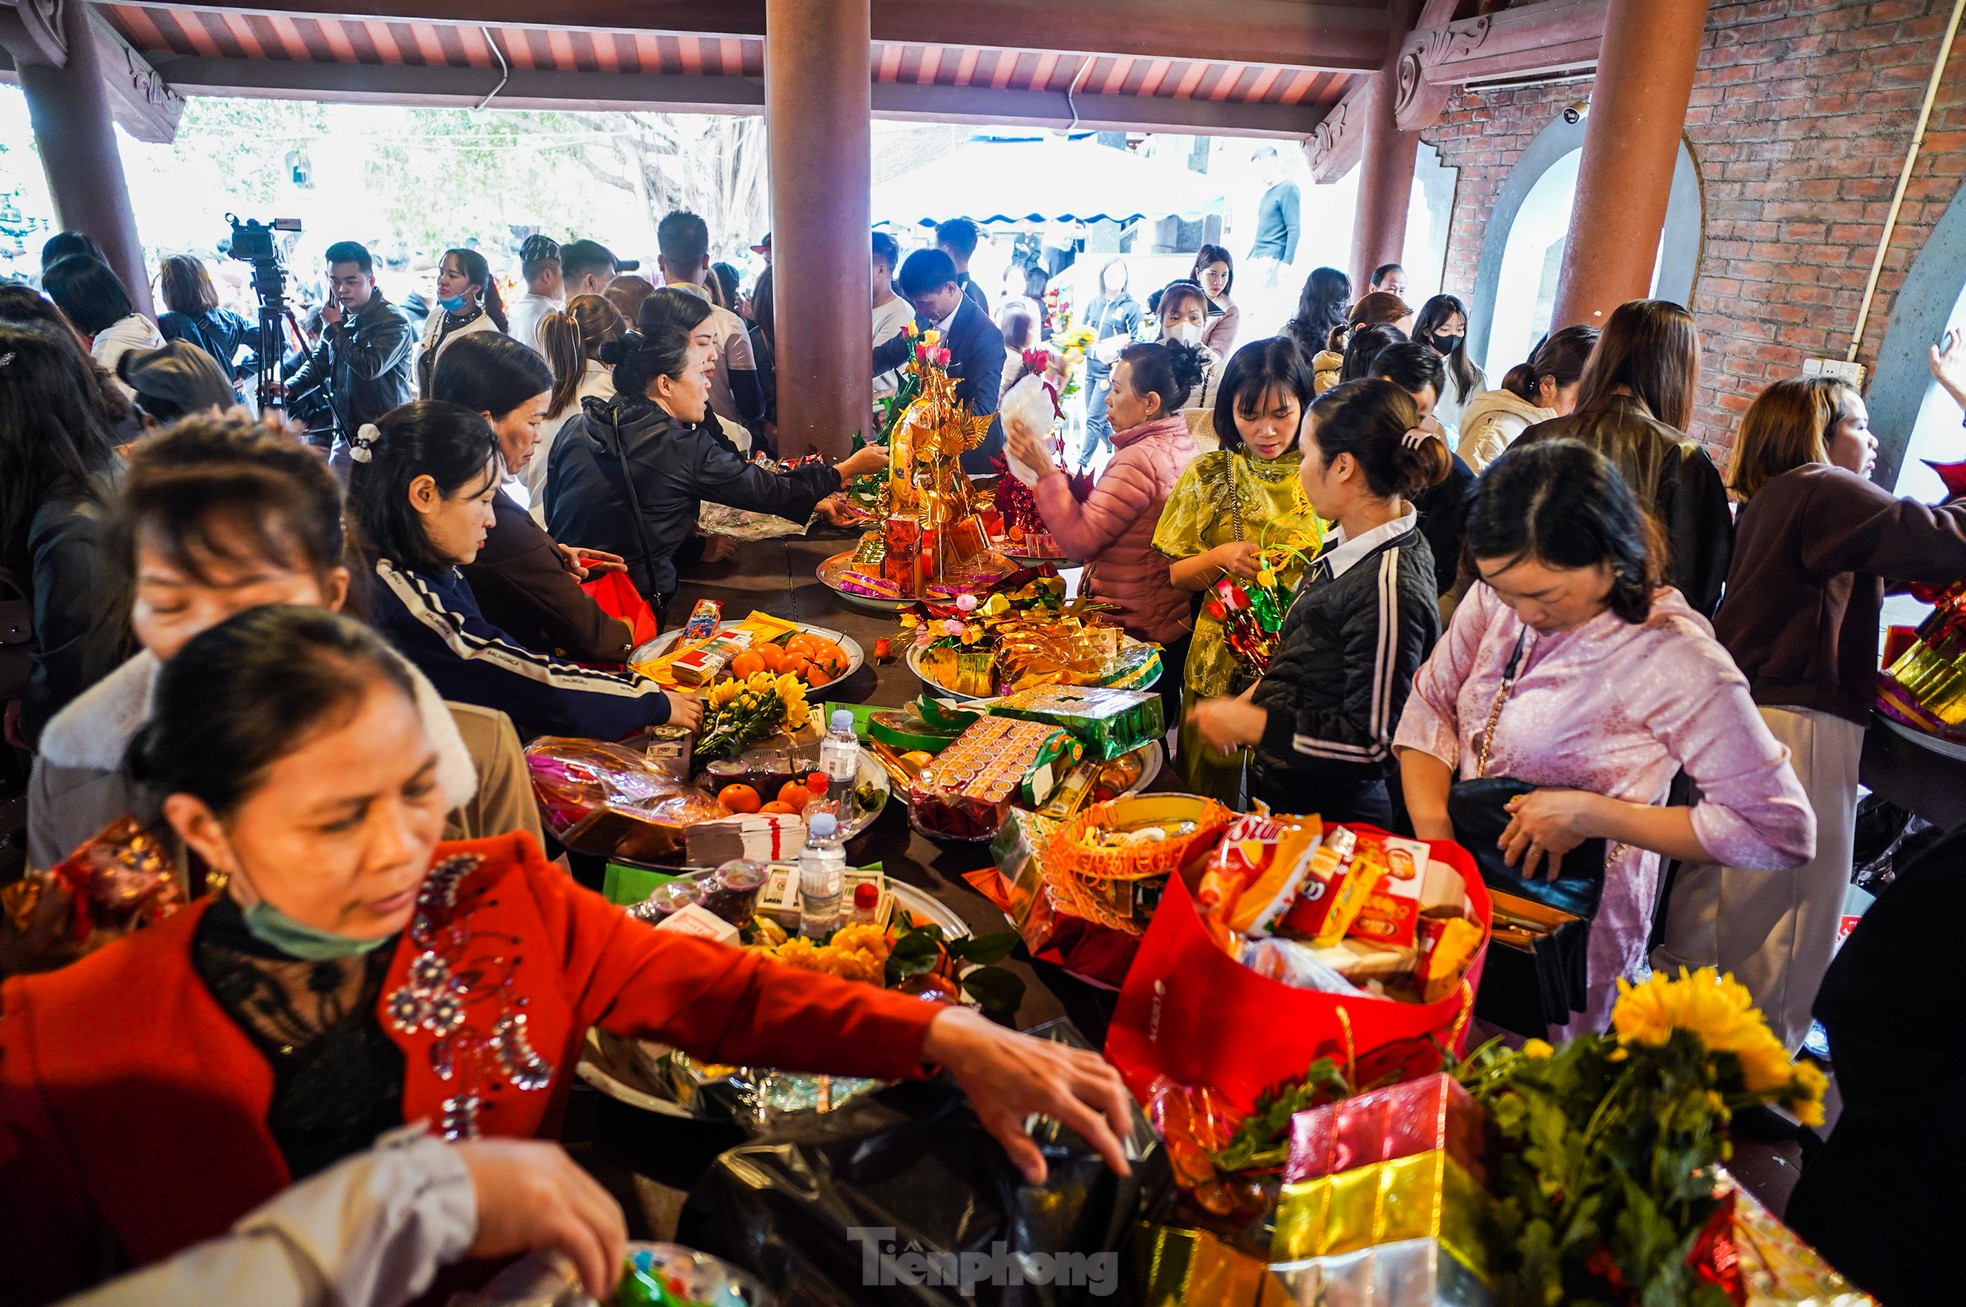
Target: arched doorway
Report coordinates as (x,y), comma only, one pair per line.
(1912,417)
(1522,252)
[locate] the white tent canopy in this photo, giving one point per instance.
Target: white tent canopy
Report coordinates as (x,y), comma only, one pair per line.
(1046,180)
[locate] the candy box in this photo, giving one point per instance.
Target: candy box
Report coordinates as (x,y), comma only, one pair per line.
(1110,722)
(1391,913)
(965,793)
(1402,1120)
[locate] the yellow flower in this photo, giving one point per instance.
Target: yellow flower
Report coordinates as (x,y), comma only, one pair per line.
(1714,1007)
(997,605)
(909,621)
(1537,1048)
(723,692)
(931,338)
(1806,1099)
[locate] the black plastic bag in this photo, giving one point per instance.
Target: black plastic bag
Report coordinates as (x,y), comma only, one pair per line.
(904,1198)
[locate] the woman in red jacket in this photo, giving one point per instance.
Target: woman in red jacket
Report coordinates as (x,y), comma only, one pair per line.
(355,975)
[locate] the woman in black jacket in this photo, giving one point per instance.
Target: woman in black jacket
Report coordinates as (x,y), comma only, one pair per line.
(57,457)
(526,585)
(629,474)
(1362,621)
(193,314)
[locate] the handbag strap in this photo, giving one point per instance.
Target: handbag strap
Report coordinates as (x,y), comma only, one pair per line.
(1502,691)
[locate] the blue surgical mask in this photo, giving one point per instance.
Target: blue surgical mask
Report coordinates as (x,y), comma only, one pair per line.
(270,926)
(452,303)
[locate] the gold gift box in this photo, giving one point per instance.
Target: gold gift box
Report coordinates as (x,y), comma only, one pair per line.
(1427,1196)
(1194,1268)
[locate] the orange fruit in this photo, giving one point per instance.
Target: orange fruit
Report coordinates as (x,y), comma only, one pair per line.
(772,656)
(738,798)
(782,809)
(746,665)
(816,675)
(794,794)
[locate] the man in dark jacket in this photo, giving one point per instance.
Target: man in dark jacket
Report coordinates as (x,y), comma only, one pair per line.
(976,358)
(363,360)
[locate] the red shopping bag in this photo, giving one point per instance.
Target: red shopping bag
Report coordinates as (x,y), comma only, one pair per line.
(618,597)
(1190,1012)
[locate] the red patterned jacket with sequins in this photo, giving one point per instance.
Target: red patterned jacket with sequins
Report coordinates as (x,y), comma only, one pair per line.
(132,1108)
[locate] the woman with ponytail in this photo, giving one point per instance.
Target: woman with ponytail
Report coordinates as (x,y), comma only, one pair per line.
(629,474)
(1539,390)
(467,301)
(571,339)
(1363,619)
(1113,530)
(1328,367)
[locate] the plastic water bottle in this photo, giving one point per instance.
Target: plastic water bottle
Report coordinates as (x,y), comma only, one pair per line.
(839,758)
(820,786)
(822,878)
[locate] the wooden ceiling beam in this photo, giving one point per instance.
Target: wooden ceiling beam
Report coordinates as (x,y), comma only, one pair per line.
(1290,33)
(537,89)
(1532,40)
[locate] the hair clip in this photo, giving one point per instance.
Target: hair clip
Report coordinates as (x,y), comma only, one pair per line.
(6,358)
(1415,437)
(361,448)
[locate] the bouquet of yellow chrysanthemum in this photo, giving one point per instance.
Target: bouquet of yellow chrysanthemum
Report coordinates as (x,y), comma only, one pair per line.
(739,713)
(1610,1142)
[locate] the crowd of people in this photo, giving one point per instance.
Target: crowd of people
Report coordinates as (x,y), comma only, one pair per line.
(307,654)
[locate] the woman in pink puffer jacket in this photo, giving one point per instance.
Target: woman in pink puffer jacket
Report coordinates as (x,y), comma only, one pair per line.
(1113,530)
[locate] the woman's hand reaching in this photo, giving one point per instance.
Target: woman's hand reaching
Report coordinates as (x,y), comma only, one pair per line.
(685,710)
(1009,1077)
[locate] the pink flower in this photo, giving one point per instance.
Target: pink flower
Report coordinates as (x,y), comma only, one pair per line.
(952,627)
(966,602)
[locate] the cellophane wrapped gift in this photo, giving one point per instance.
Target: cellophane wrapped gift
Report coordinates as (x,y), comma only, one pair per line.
(605,799)
(1402,1120)
(120,878)
(1770,1265)
(1059,920)
(1108,721)
(1412,1232)
(1182,1267)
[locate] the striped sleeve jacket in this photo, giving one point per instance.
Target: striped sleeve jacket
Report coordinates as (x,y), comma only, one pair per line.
(1343,668)
(433,620)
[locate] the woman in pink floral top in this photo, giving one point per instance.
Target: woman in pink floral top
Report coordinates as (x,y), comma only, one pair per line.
(1619,685)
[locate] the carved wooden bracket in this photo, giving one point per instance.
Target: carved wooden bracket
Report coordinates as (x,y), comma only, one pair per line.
(1338,142)
(31,30)
(1549,36)
(143,102)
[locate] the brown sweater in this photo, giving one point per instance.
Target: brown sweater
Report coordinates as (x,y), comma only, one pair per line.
(525,591)
(1812,552)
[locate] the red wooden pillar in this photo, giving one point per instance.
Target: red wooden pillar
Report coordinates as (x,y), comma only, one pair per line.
(76,135)
(1385,179)
(818,107)
(1631,144)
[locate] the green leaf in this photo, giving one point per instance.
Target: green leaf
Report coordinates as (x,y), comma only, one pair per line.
(995,989)
(985,950)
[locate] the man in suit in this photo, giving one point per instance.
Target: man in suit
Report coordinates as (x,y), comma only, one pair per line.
(957,238)
(976,358)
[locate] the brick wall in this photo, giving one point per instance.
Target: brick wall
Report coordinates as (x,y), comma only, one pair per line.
(1801,114)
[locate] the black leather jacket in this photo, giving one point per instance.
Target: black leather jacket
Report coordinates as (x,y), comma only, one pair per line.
(365,361)
(592,502)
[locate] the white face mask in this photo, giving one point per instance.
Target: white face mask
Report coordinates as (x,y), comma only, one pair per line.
(1185,332)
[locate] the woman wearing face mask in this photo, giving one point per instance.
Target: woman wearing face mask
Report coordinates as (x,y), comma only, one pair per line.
(1227,508)
(1569,667)
(1815,545)
(571,341)
(356,975)
(1321,717)
(526,585)
(212,517)
(467,301)
(422,502)
(1183,318)
(1634,404)
(1442,326)
(629,474)
(1215,273)
(1112,530)
(1114,317)
(1543,388)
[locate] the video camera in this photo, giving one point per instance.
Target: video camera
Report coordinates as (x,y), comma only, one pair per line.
(253,242)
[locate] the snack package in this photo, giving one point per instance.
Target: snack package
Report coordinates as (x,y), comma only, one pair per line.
(965,792)
(1123,852)
(1269,856)
(1392,909)
(1447,944)
(121,878)
(694,919)
(704,665)
(1326,874)
(703,619)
